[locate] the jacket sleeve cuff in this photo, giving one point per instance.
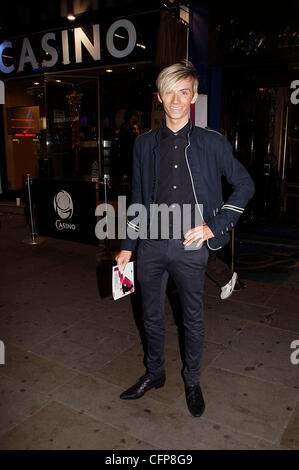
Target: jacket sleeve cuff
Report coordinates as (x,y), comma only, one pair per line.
(221,224)
(128,245)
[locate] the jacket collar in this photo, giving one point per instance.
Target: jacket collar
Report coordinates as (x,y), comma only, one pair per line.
(158,134)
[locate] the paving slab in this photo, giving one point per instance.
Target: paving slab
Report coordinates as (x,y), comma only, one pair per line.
(31,261)
(68,284)
(110,348)
(28,328)
(221,329)
(284,299)
(35,371)
(85,333)
(75,351)
(99,398)
(154,425)
(141,445)
(262,352)
(246,404)
(285,319)
(290,437)
(117,316)
(150,420)
(59,427)
(256,293)
(280,317)
(18,401)
(232,307)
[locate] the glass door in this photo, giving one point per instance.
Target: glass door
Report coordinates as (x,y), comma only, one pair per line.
(72,149)
(22,111)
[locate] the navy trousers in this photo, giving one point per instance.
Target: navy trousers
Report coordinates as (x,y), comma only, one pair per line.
(156,259)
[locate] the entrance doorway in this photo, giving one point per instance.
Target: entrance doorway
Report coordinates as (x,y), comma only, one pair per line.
(72,134)
(263,127)
(22,112)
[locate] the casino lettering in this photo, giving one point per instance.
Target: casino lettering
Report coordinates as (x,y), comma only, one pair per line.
(52,53)
(64,226)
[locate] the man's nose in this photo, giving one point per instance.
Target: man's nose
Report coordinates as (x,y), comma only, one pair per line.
(175,98)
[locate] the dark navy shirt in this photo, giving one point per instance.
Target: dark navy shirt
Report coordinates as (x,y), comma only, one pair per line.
(174,183)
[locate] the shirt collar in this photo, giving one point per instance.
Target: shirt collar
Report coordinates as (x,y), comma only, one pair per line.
(166,132)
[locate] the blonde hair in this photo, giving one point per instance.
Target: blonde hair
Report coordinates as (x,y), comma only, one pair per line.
(169,76)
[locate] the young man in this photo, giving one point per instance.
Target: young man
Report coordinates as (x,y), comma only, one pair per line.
(176,165)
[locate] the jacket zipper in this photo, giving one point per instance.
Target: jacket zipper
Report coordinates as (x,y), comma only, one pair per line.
(191,177)
(192,183)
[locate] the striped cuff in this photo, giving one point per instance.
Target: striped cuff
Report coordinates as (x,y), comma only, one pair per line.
(133,226)
(233,208)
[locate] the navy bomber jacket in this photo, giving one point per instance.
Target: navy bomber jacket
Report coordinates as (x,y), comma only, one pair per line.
(209,157)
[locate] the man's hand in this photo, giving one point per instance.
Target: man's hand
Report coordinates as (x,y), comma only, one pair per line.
(122,258)
(202,232)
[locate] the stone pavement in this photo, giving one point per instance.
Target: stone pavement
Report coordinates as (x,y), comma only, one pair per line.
(69,354)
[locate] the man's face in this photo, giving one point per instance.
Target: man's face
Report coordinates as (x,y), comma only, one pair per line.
(177,102)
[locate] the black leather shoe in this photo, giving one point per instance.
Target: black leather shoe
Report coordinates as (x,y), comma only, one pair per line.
(144,384)
(195,401)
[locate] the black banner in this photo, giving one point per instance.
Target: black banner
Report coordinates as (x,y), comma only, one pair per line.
(66,209)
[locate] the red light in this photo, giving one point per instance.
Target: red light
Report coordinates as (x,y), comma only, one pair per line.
(25,135)
(15,119)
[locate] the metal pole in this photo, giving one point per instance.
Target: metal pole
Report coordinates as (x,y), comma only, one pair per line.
(104,246)
(285,144)
(233,250)
(239,284)
(34,240)
(101,163)
(106,177)
(33,232)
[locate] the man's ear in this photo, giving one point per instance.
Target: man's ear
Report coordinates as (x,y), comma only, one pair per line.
(159,98)
(195,96)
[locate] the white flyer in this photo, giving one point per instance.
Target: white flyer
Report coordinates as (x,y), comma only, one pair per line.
(122,283)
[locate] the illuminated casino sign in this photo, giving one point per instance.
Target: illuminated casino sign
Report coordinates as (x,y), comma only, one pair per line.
(94,44)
